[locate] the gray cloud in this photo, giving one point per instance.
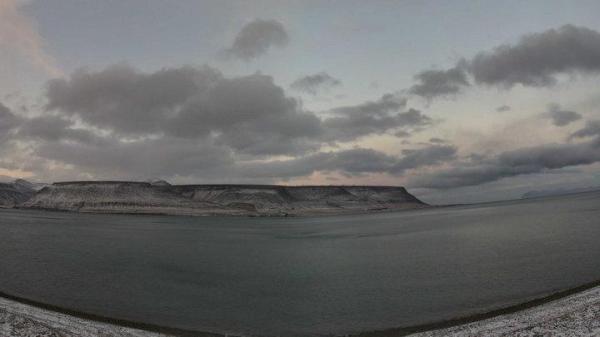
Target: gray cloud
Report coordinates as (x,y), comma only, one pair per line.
(8,121)
(537,58)
(503,108)
(256,38)
(313,83)
(351,122)
(249,114)
(194,122)
(349,162)
(479,170)
(591,129)
(435,83)
(165,157)
(386,104)
(402,134)
(353,162)
(127,101)
(173,157)
(427,156)
(350,127)
(560,117)
(55,128)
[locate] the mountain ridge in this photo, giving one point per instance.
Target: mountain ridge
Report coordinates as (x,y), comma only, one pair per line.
(218,199)
(16,192)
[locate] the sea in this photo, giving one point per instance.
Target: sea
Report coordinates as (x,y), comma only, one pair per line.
(303,276)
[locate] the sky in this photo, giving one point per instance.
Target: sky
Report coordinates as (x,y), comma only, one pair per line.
(460,101)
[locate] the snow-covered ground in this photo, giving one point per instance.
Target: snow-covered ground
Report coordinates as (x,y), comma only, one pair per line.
(575,315)
(21,320)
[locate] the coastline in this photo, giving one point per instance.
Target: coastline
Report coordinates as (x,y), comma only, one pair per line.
(324,213)
(68,322)
(461,323)
(569,308)
(574,315)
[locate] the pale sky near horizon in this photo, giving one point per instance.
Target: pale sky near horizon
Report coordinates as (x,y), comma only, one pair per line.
(460,101)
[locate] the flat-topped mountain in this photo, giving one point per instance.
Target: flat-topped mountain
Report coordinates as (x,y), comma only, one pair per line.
(163,198)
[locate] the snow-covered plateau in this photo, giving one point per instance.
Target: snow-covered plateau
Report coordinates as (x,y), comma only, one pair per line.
(270,200)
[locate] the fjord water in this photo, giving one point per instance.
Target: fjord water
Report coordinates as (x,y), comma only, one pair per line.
(299,276)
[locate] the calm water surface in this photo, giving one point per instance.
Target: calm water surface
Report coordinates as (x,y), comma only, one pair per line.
(299,276)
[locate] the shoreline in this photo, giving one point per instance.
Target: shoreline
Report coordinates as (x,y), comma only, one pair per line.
(464,320)
(94,318)
(325,213)
(100,322)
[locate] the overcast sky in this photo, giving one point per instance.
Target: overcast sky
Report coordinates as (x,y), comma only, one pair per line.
(459,101)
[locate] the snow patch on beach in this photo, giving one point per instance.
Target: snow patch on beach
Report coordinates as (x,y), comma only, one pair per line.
(575,315)
(21,320)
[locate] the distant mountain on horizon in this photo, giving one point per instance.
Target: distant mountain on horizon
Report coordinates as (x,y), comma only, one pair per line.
(17,191)
(558,191)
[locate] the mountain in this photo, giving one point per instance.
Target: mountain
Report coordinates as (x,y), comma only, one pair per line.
(16,192)
(163,198)
(158,182)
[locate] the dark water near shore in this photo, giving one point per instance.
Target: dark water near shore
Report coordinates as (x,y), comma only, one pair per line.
(297,276)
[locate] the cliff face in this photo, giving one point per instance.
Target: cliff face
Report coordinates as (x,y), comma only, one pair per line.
(133,197)
(16,192)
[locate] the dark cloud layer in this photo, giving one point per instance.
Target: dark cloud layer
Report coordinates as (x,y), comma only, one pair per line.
(55,128)
(560,117)
(8,120)
(503,108)
(256,38)
(311,84)
(127,101)
(479,170)
(435,83)
(187,121)
(591,129)
(387,113)
(122,123)
(183,157)
(430,155)
(249,114)
(535,60)
(353,162)
(165,157)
